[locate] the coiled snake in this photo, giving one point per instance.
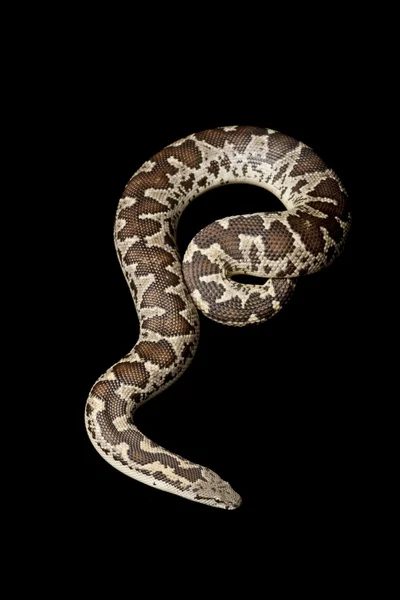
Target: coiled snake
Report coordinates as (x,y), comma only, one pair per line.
(281,246)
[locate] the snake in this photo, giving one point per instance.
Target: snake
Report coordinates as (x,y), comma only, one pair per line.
(277,247)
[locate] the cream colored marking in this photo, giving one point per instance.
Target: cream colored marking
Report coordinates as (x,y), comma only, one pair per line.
(97,404)
(246,245)
(276,305)
(126,202)
(158,467)
(145,168)
(199,300)
(253,318)
(124,245)
(121,423)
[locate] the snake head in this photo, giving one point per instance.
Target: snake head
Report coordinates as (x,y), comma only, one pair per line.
(214,491)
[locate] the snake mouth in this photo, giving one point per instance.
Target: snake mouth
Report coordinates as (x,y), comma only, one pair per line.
(235,505)
(218,503)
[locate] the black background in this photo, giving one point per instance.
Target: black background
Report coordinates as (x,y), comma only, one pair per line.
(274,409)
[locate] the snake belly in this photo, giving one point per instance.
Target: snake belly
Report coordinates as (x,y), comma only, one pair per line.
(280,246)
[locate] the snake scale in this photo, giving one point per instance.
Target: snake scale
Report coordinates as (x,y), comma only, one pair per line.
(279,246)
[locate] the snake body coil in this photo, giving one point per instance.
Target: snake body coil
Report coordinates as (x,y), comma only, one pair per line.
(302,239)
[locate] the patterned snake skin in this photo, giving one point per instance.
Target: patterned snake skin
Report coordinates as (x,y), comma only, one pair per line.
(281,246)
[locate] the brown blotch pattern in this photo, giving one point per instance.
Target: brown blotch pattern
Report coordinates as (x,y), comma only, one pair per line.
(133,438)
(188,183)
(278,241)
(308,162)
(203,267)
(280,173)
(202,182)
(160,353)
(188,350)
(239,137)
(329,188)
(254,257)
(187,153)
(170,325)
(279,145)
(214,168)
(308,228)
(152,259)
(298,185)
(232,310)
(134,225)
(132,373)
(107,391)
(290,268)
(228,238)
